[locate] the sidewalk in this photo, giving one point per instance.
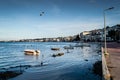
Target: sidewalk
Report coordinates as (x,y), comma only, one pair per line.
(113,60)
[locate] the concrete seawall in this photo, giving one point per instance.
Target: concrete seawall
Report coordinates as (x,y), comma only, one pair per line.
(106,73)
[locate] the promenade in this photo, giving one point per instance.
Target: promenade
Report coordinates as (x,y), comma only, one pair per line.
(113,60)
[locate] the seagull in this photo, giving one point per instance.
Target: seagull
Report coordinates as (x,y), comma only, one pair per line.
(41,14)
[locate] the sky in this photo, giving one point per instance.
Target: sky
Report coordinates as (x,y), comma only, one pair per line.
(20,19)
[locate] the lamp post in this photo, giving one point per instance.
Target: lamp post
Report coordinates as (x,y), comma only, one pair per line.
(105,27)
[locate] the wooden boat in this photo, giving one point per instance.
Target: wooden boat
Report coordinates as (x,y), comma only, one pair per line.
(55,48)
(32,52)
(59,54)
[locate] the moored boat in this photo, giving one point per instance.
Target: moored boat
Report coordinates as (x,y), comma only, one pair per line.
(32,52)
(55,48)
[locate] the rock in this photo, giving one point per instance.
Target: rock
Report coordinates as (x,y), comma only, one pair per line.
(97,68)
(86,59)
(8,74)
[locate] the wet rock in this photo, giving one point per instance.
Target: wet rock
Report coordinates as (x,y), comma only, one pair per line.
(86,59)
(97,68)
(8,74)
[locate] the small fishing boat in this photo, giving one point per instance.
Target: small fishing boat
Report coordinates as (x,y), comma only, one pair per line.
(59,54)
(32,52)
(55,48)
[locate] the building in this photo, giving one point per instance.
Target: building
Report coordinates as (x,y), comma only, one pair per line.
(86,35)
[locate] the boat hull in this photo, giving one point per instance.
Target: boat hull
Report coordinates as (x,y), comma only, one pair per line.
(32,52)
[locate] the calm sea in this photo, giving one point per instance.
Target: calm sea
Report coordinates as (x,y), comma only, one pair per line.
(12,54)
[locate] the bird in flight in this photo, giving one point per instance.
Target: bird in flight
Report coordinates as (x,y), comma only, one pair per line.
(41,14)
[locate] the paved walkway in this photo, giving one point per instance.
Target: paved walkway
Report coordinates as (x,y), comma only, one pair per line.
(113,60)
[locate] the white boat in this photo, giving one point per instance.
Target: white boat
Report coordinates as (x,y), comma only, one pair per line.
(32,52)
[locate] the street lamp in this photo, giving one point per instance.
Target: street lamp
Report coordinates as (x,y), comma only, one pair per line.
(105,27)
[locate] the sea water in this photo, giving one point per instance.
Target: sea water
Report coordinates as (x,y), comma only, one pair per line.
(12,54)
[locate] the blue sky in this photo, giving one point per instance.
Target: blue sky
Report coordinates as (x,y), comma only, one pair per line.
(20,19)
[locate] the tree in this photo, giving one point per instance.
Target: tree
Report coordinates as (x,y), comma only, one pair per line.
(77,38)
(107,27)
(117,35)
(112,34)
